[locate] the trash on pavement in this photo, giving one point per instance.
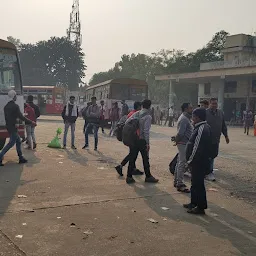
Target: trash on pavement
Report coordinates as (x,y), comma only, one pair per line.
(24,224)
(101,168)
(133,210)
(72,224)
(19,236)
(22,196)
(164,219)
(165,208)
(60,162)
(58,217)
(88,232)
(213,189)
(55,143)
(250,232)
(152,220)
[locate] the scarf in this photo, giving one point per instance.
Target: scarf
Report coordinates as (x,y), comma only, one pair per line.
(74,109)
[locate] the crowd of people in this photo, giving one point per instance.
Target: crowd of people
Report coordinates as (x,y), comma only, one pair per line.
(197,139)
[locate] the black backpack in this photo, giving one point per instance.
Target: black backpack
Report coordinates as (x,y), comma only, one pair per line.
(173,164)
(119,128)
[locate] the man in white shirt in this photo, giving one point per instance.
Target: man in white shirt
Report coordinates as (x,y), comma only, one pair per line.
(169,117)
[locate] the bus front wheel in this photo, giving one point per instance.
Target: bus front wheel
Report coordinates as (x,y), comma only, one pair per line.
(2,143)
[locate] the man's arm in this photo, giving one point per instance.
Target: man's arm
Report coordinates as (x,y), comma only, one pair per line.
(21,117)
(181,130)
(63,114)
(146,128)
(224,127)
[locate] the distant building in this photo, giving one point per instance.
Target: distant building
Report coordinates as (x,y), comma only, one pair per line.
(232,81)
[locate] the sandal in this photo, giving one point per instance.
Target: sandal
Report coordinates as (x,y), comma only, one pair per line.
(183,188)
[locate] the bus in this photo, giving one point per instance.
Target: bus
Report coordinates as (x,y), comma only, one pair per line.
(10,78)
(50,99)
(116,90)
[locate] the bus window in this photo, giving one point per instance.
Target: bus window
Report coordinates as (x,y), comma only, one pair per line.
(120,92)
(138,94)
(9,71)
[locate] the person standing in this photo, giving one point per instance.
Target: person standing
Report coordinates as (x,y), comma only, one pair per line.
(114,117)
(70,114)
(125,109)
(12,113)
(102,115)
(93,122)
(215,118)
(247,118)
(198,155)
(158,115)
(184,131)
(171,117)
(30,101)
(119,168)
(142,145)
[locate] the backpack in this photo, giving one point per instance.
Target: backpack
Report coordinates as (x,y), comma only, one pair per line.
(173,164)
(129,132)
(119,128)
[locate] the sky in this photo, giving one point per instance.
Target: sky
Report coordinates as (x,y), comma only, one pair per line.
(111,28)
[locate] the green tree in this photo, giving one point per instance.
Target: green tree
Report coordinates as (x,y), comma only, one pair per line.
(15,41)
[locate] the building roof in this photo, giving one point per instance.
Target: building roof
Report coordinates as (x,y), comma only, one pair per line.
(6,44)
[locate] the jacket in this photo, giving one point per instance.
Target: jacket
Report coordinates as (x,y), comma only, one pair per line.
(12,115)
(145,120)
(36,109)
(198,149)
(69,118)
(216,120)
(125,109)
(184,129)
(30,113)
(93,114)
(114,114)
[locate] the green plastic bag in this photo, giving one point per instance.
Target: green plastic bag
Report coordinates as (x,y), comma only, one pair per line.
(55,143)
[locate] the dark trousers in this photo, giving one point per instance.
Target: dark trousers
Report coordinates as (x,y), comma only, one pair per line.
(198,192)
(127,159)
(134,151)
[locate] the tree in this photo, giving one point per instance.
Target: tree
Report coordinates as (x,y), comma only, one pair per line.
(15,41)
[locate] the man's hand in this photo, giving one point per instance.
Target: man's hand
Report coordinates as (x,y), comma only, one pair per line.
(148,147)
(227,140)
(34,124)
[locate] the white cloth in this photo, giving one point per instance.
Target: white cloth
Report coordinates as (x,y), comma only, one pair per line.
(74,110)
(12,94)
(171,112)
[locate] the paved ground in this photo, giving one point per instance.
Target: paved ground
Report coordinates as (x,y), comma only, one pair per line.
(108,217)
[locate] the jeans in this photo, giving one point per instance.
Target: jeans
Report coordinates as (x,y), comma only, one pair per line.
(180,166)
(113,127)
(14,139)
(198,192)
(127,159)
(73,128)
(30,130)
(95,128)
(140,147)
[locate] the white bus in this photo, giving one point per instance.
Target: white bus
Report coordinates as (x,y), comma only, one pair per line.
(10,78)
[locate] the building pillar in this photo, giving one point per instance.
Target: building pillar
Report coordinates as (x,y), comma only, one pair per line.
(200,92)
(171,94)
(221,94)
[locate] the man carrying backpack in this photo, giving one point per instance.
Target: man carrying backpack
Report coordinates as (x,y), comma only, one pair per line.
(30,129)
(138,141)
(119,168)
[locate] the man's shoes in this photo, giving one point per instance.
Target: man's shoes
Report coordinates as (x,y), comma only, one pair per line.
(137,172)
(85,146)
(64,147)
(95,149)
(189,206)
(130,180)
(196,210)
(210,177)
(151,179)
(23,160)
(73,147)
(1,163)
(119,170)
(34,145)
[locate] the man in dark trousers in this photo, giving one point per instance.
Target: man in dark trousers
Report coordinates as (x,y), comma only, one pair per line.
(70,115)
(12,114)
(198,155)
(215,118)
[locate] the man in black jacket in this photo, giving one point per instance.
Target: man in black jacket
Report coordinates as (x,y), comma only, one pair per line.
(70,115)
(12,114)
(198,155)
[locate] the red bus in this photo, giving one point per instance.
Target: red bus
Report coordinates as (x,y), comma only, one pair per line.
(50,99)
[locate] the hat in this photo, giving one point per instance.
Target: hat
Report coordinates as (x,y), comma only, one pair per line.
(201,113)
(12,94)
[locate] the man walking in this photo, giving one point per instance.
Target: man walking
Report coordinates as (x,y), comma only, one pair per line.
(158,115)
(125,109)
(70,115)
(247,118)
(93,122)
(184,131)
(142,144)
(12,114)
(215,118)
(119,168)
(198,156)
(102,115)
(114,117)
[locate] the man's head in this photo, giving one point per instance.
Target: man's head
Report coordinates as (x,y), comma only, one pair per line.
(204,104)
(93,100)
(12,95)
(187,107)
(146,104)
(137,105)
(115,104)
(213,103)
(102,102)
(72,99)
(30,98)
(199,115)
(123,102)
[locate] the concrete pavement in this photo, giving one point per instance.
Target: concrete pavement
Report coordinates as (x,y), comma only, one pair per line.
(108,217)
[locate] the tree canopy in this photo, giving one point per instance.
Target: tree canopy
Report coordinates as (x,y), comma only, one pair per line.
(56,61)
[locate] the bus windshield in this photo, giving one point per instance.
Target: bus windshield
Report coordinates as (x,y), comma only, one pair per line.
(9,71)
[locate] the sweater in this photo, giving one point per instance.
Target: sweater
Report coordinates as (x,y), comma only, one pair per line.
(184,129)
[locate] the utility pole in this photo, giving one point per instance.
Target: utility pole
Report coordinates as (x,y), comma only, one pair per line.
(74,30)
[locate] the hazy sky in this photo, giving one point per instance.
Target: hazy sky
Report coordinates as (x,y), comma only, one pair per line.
(111,28)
